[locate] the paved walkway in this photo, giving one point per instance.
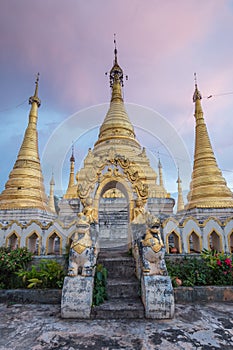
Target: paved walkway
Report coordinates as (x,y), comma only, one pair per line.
(39,327)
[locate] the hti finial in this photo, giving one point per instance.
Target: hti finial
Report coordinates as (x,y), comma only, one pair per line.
(159,162)
(115,48)
(72,159)
(116,73)
(35,97)
(178,173)
(195,78)
(37,78)
(197,94)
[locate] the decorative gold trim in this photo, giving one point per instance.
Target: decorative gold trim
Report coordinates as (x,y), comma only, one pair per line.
(179,241)
(199,237)
(9,236)
(39,237)
(47,241)
(220,237)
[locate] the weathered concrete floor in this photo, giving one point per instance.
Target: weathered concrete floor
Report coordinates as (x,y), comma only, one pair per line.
(39,327)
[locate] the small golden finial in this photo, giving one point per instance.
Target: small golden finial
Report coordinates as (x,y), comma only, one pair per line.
(195,78)
(197,94)
(72,159)
(159,162)
(116,73)
(37,77)
(115,49)
(35,97)
(178,173)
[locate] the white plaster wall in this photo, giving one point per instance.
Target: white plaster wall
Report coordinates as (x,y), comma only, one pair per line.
(190,226)
(213,225)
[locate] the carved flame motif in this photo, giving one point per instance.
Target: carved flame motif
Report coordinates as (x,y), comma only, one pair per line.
(130,171)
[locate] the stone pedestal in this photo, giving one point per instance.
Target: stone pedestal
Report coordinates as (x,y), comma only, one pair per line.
(77,297)
(157,296)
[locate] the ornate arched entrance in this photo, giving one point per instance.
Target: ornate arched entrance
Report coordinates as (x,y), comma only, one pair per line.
(115,203)
(114,185)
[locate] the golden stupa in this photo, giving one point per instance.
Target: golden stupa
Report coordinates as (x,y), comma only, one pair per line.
(180,200)
(208,188)
(117,155)
(25,188)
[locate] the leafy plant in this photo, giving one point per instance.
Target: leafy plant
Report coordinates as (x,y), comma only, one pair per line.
(34,282)
(100,285)
(221,266)
(48,274)
(11,261)
(211,268)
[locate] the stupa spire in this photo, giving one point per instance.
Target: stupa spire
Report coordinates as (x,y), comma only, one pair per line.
(51,195)
(71,183)
(208,188)
(160,174)
(25,187)
(116,124)
(180,200)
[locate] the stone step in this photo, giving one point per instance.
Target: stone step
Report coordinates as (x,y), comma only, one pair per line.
(118,266)
(107,244)
(119,309)
(123,288)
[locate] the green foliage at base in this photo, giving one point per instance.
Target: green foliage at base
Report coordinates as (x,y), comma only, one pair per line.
(48,274)
(11,261)
(100,285)
(211,268)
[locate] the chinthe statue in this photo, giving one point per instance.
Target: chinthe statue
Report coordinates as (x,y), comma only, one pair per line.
(83,253)
(152,251)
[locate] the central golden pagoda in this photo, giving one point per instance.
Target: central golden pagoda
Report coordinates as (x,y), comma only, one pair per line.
(117,159)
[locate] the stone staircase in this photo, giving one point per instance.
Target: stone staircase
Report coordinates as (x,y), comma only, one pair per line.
(122,288)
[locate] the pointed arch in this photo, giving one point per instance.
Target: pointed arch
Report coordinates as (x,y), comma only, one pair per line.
(54,244)
(194,242)
(123,185)
(230,242)
(33,243)
(214,219)
(215,241)
(173,240)
(168,220)
(13,240)
(190,218)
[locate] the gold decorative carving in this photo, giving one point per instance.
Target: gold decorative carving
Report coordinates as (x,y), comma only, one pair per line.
(153,239)
(88,215)
(80,244)
(129,170)
(139,213)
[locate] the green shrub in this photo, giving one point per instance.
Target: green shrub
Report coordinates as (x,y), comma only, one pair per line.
(48,274)
(220,265)
(100,285)
(211,268)
(11,261)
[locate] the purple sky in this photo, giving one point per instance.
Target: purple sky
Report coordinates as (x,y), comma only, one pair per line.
(160,45)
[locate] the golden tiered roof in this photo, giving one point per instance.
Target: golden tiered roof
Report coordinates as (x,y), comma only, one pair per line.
(25,188)
(208,188)
(116,124)
(117,144)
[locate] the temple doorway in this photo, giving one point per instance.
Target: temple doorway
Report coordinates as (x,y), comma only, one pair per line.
(114,218)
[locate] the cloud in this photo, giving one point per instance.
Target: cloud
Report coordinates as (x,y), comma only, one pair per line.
(160,45)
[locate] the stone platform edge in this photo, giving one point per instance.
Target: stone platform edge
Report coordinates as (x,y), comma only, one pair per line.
(183,295)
